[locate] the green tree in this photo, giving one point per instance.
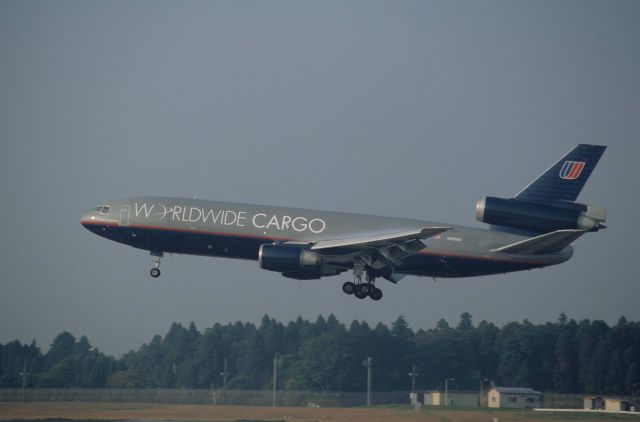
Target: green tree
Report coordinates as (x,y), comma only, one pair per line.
(251,363)
(589,357)
(62,347)
(322,363)
(442,324)
(565,369)
(616,375)
(488,355)
(465,323)
(512,369)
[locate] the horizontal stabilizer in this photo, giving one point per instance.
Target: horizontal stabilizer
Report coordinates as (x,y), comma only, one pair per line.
(543,244)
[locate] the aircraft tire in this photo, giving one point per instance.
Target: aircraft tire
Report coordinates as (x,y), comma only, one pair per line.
(375,294)
(362,291)
(155,272)
(349,288)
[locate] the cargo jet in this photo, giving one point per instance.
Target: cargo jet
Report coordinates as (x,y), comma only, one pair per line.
(533,229)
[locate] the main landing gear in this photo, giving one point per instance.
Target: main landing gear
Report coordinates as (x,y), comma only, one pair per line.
(362,289)
(155,271)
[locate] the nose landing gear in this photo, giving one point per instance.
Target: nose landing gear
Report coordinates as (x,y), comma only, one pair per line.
(155,271)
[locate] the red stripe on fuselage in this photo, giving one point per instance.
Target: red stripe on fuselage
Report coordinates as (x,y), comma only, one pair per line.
(99,223)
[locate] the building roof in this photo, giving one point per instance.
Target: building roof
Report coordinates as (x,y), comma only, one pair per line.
(516,390)
(454,391)
(618,399)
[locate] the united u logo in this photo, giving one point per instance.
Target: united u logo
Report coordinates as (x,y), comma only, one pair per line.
(571,170)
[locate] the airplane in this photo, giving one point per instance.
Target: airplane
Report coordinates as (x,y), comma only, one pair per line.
(533,229)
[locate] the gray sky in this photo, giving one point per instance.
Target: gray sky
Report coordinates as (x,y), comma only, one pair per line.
(410,109)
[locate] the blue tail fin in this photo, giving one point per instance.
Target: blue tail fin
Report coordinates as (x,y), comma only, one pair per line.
(564,180)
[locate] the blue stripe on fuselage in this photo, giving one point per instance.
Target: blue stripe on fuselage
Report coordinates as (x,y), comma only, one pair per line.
(430,262)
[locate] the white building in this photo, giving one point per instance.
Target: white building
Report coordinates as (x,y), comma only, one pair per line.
(513,397)
(616,405)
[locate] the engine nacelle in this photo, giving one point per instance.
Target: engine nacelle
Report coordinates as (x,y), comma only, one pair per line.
(539,218)
(285,258)
(312,273)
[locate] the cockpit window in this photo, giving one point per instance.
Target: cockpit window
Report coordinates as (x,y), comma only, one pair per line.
(102,209)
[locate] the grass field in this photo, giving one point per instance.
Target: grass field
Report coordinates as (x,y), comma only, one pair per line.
(162,412)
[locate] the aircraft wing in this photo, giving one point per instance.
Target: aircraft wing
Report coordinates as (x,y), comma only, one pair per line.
(382,252)
(543,244)
(377,241)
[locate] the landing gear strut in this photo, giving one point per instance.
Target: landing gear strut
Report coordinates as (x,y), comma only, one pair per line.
(155,271)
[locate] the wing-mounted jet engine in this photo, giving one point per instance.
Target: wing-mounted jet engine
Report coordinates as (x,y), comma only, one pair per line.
(287,258)
(295,261)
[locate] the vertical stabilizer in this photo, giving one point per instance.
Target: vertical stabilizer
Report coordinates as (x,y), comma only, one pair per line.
(564,180)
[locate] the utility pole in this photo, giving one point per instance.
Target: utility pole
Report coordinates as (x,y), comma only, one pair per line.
(413,374)
(275,378)
(367,363)
(24,375)
(413,396)
(224,374)
(446,390)
(482,381)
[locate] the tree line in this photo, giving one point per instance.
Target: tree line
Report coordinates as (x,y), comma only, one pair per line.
(325,355)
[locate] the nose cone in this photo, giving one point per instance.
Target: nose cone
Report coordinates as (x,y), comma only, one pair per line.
(88,218)
(99,220)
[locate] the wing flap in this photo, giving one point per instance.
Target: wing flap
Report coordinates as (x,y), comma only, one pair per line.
(543,244)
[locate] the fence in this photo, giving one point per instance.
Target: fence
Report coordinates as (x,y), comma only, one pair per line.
(236,397)
(210,397)
(562,401)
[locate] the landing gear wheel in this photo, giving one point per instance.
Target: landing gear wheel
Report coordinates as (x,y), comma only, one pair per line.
(362,291)
(155,271)
(375,294)
(349,288)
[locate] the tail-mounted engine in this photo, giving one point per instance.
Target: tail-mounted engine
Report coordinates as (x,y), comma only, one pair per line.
(541,218)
